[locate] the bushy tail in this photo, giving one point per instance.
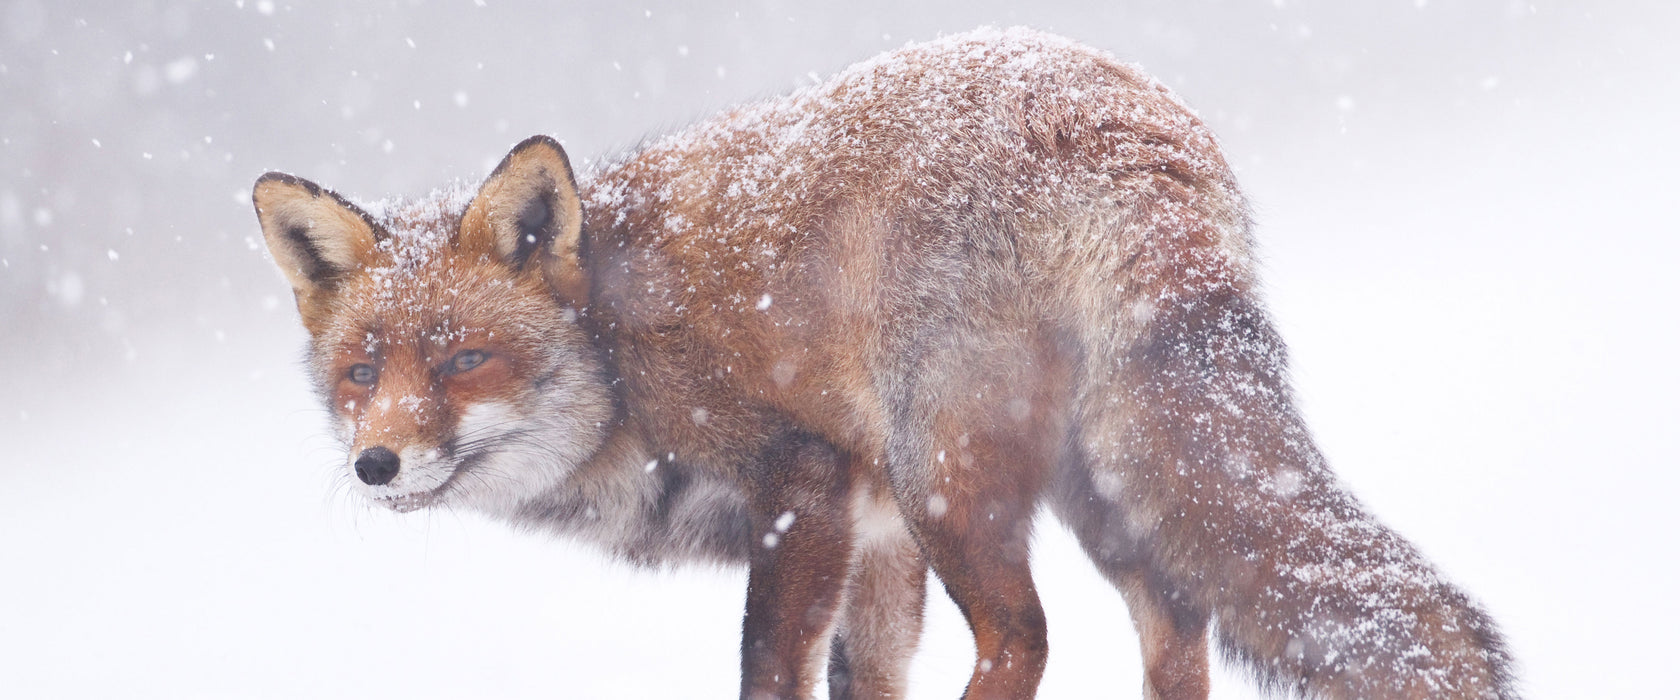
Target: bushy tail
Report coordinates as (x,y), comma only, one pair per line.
(1198,491)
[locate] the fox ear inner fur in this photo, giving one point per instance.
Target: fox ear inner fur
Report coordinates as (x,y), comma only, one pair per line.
(315,235)
(529,214)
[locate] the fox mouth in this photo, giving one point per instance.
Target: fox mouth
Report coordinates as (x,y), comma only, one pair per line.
(410,502)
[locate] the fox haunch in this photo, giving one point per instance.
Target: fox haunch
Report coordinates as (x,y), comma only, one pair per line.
(866,330)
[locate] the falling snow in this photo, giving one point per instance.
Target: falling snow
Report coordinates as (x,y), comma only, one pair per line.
(1447,388)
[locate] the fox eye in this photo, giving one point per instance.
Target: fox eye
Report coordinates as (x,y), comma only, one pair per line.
(465,360)
(363,374)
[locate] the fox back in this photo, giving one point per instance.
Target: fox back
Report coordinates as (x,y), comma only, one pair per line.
(866,330)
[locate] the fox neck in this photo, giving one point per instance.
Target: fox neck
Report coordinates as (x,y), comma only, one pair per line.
(645,506)
(638,495)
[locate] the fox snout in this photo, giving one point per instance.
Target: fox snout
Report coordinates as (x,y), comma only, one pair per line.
(377,466)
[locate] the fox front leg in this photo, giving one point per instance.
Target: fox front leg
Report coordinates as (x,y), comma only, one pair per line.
(881,621)
(801,548)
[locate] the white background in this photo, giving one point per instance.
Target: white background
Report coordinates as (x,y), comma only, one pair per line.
(1466,217)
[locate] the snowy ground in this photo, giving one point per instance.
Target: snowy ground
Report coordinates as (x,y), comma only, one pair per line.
(1466,217)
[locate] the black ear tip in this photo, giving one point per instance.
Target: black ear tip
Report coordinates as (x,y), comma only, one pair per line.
(539,141)
(287,179)
(542,141)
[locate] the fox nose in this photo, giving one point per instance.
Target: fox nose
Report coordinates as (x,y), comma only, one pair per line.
(376,466)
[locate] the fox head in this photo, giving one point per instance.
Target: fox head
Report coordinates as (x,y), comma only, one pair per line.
(444,334)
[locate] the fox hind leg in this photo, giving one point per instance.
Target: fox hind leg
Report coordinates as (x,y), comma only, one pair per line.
(972,447)
(977,541)
(1173,636)
(1172,631)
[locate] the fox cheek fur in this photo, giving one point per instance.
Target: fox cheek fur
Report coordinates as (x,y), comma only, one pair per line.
(865,331)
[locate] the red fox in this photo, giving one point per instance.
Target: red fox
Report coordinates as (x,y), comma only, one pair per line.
(865,330)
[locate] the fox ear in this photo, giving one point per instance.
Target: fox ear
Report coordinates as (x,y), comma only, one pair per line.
(528,214)
(315,236)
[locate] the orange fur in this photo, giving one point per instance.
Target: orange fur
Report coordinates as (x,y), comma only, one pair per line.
(951,284)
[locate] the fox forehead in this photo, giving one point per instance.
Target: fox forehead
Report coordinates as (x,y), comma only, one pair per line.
(440,304)
(422,289)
